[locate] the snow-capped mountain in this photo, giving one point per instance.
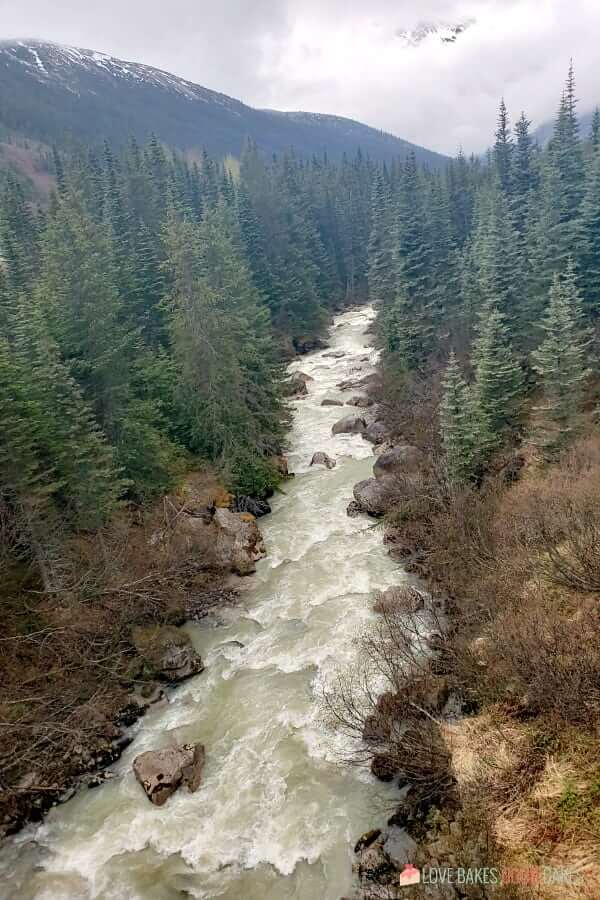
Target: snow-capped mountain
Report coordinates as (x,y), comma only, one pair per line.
(61,94)
(447,34)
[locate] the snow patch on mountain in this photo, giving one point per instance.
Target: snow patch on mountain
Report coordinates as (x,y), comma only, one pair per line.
(63,64)
(446,33)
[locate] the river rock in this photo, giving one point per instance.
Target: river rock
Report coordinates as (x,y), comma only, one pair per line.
(296,385)
(376,433)
(372,497)
(161,772)
(368,381)
(252,505)
(239,542)
(322,459)
(374,867)
(303,345)
(167,652)
(350,425)
(397,460)
(331,401)
(361,401)
(434,693)
(281,465)
(401,598)
(334,354)
(368,838)
(354,509)
(229,542)
(399,846)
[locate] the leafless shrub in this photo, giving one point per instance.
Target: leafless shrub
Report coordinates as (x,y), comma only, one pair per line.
(390,703)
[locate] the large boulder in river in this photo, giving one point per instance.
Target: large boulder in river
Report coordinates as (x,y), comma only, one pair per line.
(229,542)
(296,385)
(331,401)
(161,772)
(322,459)
(167,652)
(350,425)
(372,497)
(397,460)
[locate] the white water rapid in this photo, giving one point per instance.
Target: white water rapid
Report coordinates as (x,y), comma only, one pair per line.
(277,812)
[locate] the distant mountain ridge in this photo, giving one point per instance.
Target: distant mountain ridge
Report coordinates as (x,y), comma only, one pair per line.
(61,94)
(544,132)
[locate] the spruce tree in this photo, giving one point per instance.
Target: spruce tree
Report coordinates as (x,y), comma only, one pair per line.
(498,388)
(523,177)
(595,129)
(457,426)
(503,149)
(561,364)
(588,247)
(381,264)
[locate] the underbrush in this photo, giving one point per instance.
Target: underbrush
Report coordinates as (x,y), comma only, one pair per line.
(517,558)
(67,663)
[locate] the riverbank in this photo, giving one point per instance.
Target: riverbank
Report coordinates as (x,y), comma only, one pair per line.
(79,668)
(516,563)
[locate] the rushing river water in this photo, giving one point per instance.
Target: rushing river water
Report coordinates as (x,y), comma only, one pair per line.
(277,813)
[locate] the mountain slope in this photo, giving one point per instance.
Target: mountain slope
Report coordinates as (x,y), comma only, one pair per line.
(64,94)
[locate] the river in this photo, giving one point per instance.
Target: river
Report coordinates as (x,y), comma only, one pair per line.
(278,812)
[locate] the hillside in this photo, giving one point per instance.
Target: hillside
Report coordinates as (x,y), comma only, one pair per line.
(66,95)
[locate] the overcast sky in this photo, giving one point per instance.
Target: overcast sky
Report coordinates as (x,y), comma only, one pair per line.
(348,56)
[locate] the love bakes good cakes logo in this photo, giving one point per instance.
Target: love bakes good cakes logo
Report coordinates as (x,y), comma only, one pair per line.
(491,875)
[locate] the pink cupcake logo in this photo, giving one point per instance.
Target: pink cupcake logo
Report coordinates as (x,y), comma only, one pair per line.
(410,875)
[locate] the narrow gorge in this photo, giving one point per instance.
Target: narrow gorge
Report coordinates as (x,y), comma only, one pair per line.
(277,812)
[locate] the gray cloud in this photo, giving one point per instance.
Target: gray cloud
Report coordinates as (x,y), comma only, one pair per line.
(348,57)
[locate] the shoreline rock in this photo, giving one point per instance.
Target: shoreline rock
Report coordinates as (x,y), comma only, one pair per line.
(166,652)
(371,497)
(352,424)
(397,460)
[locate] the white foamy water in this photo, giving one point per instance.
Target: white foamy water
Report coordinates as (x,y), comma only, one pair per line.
(277,812)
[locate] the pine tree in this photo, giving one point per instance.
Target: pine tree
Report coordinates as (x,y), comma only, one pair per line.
(560,362)
(457,426)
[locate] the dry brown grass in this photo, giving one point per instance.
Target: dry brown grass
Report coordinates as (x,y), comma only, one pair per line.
(543,805)
(519,556)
